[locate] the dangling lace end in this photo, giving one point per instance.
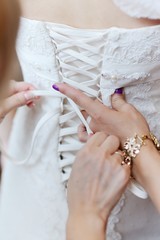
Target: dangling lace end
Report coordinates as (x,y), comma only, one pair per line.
(137,189)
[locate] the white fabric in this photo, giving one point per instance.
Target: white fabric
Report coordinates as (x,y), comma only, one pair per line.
(33,204)
(140,8)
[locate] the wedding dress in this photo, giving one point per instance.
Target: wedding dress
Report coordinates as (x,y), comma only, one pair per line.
(33,198)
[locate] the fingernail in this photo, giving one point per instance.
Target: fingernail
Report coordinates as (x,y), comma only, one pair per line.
(29,102)
(90,135)
(29,96)
(31,105)
(55,87)
(37,97)
(119,91)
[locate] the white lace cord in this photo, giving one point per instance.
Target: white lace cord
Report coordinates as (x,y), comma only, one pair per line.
(67,71)
(65,133)
(134,187)
(47,117)
(74,57)
(137,189)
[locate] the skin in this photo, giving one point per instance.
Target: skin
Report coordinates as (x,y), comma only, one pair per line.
(110,121)
(96,184)
(17,95)
(12,94)
(81,13)
(86,14)
(106,119)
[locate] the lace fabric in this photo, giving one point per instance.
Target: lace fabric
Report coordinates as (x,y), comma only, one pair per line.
(75,57)
(85,59)
(112,234)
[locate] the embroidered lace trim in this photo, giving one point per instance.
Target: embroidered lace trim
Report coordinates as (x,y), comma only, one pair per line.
(82,56)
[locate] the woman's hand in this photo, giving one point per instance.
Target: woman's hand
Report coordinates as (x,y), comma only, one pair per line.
(123,120)
(96,184)
(18,94)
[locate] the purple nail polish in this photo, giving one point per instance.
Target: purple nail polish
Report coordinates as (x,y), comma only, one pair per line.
(55,87)
(119,91)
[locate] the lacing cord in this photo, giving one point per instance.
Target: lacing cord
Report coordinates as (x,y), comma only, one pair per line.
(69,145)
(134,187)
(75,57)
(43,121)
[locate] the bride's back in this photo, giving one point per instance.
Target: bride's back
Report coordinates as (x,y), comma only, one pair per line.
(33,199)
(81,13)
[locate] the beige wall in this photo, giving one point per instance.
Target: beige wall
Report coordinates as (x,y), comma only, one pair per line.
(15,71)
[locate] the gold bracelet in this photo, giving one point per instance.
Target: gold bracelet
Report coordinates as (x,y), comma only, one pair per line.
(153,138)
(133,145)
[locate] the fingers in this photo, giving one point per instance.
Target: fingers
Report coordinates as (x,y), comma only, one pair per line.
(96,140)
(118,155)
(85,114)
(17,100)
(123,171)
(15,87)
(125,168)
(19,95)
(111,144)
(93,107)
(82,133)
(118,101)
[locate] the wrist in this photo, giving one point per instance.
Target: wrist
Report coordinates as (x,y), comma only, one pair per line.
(85,227)
(145,162)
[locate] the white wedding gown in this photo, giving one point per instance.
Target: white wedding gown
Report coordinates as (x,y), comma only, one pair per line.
(33,198)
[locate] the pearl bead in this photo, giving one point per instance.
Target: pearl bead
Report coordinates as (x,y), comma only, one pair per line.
(114,78)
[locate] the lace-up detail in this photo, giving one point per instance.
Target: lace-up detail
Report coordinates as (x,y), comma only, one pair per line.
(76,58)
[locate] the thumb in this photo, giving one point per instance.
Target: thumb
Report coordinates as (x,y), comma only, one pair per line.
(15,101)
(117,100)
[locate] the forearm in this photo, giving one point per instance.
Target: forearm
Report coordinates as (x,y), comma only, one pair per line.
(146,169)
(86,229)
